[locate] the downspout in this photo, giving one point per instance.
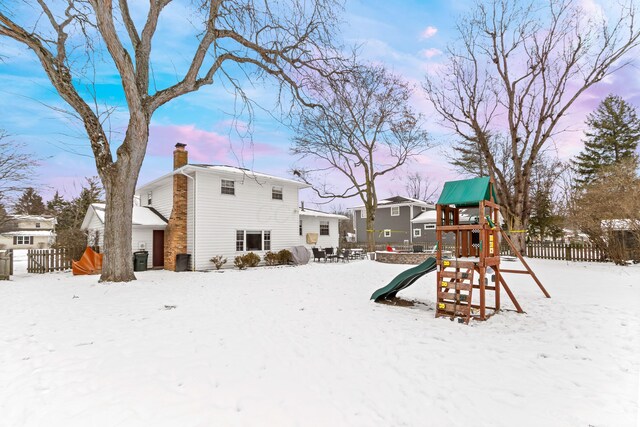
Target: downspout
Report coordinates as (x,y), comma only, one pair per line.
(193,181)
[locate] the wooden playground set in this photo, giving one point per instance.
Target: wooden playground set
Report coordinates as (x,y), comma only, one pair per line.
(466,279)
(477,253)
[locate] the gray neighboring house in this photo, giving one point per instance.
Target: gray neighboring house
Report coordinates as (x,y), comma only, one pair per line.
(392,221)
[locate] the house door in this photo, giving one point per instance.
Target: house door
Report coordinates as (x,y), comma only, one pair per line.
(158,248)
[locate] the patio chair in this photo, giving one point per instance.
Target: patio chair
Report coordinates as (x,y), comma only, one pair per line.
(344,255)
(418,248)
(319,254)
(330,255)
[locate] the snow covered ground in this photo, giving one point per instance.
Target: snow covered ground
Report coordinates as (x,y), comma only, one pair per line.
(304,346)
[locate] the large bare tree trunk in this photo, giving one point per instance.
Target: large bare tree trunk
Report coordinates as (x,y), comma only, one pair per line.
(120,185)
(371,237)
(118,265)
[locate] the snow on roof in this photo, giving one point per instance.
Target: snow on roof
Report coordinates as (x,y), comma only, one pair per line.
(619,224)
(141,215)
(40,218)
(429,217)
(224,169)
(320,214)
(425,217)
(35,233)
(398,200)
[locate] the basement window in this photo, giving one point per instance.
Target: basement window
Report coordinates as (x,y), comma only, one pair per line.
(387,233)
(228,187)
(395,211)
(417,232)
(37,225)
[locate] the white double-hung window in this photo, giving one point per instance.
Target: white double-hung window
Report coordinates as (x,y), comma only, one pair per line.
(228,187)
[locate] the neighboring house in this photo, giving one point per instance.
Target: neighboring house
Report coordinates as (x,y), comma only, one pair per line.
(221,210)
(392,220)
(28,232)
(147,231)
(318,228)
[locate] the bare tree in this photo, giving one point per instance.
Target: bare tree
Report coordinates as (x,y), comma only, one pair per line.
(608,211)
(418,186)
(16,170)
(363,129)
(285,41)
(518,68)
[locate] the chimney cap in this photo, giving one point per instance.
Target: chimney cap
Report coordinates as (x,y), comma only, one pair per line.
(180,145)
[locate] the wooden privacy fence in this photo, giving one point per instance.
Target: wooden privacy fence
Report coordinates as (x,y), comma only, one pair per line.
(6,264)
(566,252)
(48,260)
(544,250)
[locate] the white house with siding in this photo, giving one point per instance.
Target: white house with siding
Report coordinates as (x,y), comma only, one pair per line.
(208,210)
(148,228)
(319,229)
(28,232)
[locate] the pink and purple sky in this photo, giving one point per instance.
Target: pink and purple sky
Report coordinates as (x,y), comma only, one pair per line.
(410,37)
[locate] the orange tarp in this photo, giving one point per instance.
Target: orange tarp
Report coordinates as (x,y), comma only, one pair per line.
(90,263)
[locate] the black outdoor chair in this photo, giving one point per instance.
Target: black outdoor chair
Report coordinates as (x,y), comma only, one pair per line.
(418,248)
(318,254)
(330,255)
(344,255)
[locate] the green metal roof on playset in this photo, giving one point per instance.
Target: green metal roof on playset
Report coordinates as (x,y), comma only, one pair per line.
(467,192)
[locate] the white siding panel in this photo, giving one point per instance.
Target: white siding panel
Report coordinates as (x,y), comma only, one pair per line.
(311,224)
(190,210)
(161,198)
(142,236)
(95,226)
(218,216)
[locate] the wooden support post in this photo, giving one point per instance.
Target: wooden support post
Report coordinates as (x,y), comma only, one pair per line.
(482,294)
(513,298)
(497,285)
(515,251)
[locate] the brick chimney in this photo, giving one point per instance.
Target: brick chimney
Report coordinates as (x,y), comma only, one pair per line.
(175,236)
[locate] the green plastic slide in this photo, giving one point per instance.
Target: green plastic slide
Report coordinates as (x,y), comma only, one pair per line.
(405,279)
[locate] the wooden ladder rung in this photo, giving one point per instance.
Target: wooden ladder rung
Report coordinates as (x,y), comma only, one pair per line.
(454,308)
(455,274)
(461,298)
(455,286)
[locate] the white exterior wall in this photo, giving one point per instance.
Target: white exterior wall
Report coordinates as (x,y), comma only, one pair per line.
(39,242)
(311,224)
(30,224)
(95,225)
(191,188)
(161,198)
(138,235)
(143,235)
(218,216)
